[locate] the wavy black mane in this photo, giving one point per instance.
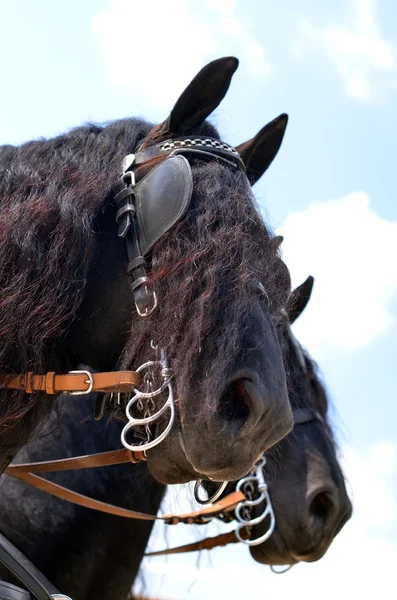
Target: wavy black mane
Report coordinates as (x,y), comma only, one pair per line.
(51,194)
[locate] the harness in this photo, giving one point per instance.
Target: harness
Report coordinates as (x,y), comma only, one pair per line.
(250,491)
(145,212)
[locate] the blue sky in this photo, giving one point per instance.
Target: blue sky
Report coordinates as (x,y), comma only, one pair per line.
(332,191)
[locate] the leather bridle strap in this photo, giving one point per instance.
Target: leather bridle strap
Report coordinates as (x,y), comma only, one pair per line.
(301,417)
(306,415)
(207,544)
(197,145)
(26,472)
(75,383)
(102,459)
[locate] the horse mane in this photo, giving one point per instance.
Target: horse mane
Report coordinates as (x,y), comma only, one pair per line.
(51,192)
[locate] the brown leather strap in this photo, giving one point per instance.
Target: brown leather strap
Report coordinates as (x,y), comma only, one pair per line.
(207,544)
(103,459)
(80,381)
(65,494)
(226,504)
(20,472)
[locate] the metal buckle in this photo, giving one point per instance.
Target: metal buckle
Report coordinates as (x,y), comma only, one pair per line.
(148,311)
(60,597)
(89,381)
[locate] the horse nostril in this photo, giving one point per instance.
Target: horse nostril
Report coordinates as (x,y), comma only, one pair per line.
(235,403)
(321,506)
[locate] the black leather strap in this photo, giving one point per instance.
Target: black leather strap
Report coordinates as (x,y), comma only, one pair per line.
(146,211)
(306,415)
(28,575)
(149,209)
(8,591)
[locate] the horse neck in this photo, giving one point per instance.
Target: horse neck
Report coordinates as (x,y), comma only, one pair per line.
(86,554)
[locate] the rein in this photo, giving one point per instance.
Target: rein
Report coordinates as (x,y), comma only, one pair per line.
(145,212)
(238,501)
(27,472)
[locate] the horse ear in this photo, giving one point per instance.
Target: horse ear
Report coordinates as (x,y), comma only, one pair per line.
(299,299)
(259,152)
(203,94)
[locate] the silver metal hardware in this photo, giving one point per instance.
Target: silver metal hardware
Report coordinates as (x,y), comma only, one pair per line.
(214,497)
(89,382)
(275,570)
(128,163)
(137,399)
(150,310)
(243,511)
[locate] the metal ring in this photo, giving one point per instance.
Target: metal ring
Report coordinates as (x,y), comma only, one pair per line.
(146,365)
(261,539)
(148,445)
(274,569)
(151,418)
(214,497)
(253,521)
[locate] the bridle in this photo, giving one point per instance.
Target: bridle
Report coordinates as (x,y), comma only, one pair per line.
(255,491)
(145,211)
(250,491)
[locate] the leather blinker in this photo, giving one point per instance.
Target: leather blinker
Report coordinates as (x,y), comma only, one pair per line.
(162,198)
(145,212)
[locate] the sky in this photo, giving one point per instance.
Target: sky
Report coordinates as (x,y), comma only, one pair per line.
(331,192)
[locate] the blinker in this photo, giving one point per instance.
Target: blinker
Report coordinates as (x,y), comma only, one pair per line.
(150,208)
(145,212)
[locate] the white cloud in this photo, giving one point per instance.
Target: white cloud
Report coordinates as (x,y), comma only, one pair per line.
(383,458)
(375,505)
(363,555)
(364,59)
(156,47)
(350,250)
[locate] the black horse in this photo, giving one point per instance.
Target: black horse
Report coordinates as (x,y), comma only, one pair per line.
(88,554)
(66,297)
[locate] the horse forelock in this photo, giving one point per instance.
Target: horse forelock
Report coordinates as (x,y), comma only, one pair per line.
(206,271)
